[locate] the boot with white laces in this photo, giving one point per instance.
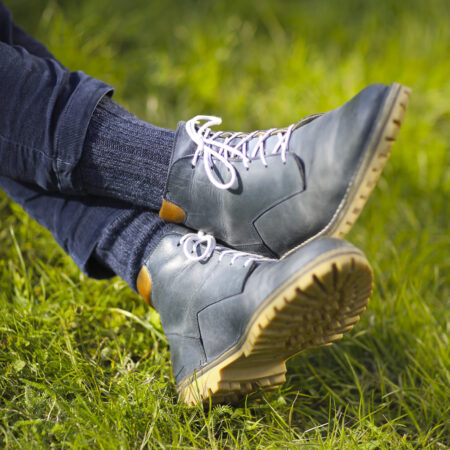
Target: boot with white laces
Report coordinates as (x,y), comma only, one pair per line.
(269,191)
(232,318)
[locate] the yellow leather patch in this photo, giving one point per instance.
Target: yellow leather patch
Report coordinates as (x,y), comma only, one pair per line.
(171,212)
(144,284)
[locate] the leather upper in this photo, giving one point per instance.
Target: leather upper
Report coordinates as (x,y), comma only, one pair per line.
(270,210)
(205,306)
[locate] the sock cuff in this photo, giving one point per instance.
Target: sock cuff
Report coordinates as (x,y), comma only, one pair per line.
(125,157)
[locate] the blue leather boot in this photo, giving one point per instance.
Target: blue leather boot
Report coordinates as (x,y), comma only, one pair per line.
(269,191)
(232,319)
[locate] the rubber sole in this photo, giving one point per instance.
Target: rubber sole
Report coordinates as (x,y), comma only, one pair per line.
(312,309)
(379,149)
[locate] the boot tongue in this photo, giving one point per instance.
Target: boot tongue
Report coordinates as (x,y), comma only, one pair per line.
(267,146)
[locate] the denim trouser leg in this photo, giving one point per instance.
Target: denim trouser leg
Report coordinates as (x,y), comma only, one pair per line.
(44,113)
(77,223)
(104,237)
(45,110)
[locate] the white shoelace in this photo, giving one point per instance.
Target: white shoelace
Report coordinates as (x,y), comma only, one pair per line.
(211,149)
(192,241)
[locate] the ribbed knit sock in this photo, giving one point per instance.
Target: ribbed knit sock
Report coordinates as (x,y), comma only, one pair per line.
(125,157)
(128,241)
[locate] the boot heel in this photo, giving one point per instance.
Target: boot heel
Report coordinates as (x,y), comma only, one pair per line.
(230,383)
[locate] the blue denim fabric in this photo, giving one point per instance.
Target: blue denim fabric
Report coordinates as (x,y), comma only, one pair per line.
(45,156)
(77,224)
(45,110)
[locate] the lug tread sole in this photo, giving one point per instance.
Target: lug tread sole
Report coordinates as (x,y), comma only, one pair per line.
(312,311)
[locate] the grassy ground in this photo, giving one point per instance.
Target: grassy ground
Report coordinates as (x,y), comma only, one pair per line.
(83,363)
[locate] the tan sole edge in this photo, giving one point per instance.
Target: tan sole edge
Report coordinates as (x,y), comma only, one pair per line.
(367,179)
(313,310)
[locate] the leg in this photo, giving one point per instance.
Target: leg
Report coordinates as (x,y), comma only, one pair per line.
(45,118)
(104,237)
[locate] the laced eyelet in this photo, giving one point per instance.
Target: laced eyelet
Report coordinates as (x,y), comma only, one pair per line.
(234,147)
(206,245)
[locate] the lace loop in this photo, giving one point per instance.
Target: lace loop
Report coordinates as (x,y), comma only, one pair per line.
(214,150)
(192,241)
(195,251)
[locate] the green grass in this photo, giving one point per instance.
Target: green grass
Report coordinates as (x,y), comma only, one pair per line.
(84,363)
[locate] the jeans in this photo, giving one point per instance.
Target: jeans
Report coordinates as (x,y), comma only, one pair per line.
(44,113)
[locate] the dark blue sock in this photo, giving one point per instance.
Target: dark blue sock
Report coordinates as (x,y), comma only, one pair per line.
(125,157)
(126,243)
